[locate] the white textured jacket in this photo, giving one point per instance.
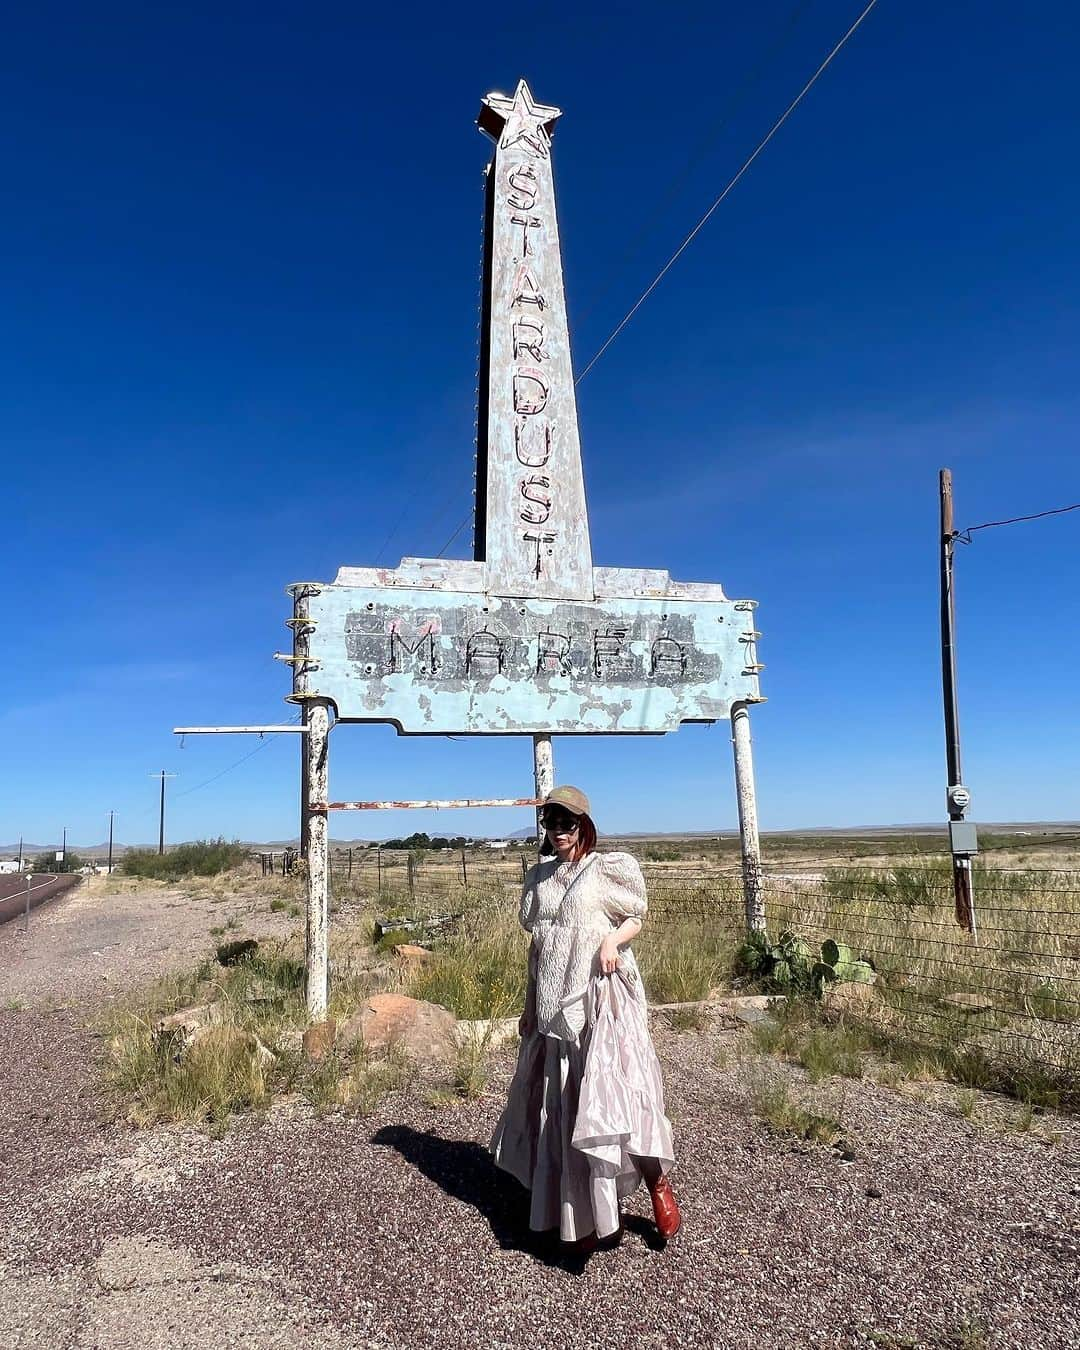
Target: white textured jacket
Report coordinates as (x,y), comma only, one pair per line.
(568,908)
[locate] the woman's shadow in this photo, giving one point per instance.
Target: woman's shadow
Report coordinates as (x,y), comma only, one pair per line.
(466,1171)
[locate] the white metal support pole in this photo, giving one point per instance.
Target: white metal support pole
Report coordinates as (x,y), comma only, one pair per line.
(543,776)
(748,824)
(317,951)
(305,796)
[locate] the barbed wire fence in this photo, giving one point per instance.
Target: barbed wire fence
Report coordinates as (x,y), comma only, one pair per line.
(1003,1010)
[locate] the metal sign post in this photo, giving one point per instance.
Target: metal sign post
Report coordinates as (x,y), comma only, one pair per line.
(527,637)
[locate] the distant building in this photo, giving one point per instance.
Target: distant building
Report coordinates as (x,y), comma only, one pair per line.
(9,865)
(498,843)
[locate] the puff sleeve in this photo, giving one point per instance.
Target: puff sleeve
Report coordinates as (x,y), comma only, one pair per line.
(530,901)
(623,887)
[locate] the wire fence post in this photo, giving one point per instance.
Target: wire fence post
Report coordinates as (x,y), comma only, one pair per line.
(464,871)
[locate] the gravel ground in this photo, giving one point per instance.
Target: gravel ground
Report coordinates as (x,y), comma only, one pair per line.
(91,945)
(395,1231)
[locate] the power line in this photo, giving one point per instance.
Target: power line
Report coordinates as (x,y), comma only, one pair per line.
(453,537)
(731,184)
(263,743)
(697,228)
(689,238)
(670,192)
(964,536)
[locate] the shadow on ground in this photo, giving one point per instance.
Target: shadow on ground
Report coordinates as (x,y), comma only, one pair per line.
(464,1170)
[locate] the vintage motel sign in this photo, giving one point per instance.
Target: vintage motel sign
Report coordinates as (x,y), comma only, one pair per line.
(529,636)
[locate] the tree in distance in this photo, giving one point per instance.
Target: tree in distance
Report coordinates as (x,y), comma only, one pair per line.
(422,840)
(47,862)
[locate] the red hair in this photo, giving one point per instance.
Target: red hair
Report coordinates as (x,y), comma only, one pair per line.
(586,837)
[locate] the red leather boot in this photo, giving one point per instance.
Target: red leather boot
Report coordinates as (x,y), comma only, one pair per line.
(665,1210)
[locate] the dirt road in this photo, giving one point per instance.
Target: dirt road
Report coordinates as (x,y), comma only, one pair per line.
(395,1230)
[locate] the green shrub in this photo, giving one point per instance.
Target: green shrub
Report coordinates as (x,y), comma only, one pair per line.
(202,858)
(661,853)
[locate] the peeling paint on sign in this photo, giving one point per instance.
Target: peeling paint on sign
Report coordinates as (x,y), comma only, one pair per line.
(529,636)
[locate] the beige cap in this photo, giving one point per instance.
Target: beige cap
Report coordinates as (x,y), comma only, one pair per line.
(572,798)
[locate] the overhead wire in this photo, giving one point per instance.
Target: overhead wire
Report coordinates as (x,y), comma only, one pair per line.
(964,536)
(263,743)
(732,182)
(665,197)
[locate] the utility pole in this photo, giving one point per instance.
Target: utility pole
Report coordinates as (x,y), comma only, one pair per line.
(63,851)
(963,842)
(20,852)
(161,819)
(111,814)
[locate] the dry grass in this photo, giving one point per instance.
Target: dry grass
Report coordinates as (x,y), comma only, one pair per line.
(1001,1013)
(480,971)
(251,1054)
(773,1102)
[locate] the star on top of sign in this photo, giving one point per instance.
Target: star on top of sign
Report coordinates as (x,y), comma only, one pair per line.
(519,118)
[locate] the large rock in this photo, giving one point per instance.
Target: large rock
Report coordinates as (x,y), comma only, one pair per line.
(430,928)
(178,1032)
(205,1024)
(423,1030)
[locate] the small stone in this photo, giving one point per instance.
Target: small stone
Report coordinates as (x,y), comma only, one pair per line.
(179,1031)
(485,1034)
(318,1040)
(412,955)
(968,1002)
(848,997)
(873,1193)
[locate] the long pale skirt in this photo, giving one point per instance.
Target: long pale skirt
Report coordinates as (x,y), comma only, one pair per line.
(580,1115)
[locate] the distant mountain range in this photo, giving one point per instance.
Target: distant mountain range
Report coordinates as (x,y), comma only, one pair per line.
(854,831)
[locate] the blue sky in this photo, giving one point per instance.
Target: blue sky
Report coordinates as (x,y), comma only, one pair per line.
(239,257)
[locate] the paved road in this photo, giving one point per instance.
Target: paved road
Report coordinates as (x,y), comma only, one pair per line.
(42,888)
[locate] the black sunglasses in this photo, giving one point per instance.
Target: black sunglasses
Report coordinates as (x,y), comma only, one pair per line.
(559,822)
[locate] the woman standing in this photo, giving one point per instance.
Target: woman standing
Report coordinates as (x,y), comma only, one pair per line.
(584,1122)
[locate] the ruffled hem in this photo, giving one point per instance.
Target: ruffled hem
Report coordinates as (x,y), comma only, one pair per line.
(580,1116)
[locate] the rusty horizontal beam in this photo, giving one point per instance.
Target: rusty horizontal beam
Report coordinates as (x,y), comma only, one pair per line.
(434,804)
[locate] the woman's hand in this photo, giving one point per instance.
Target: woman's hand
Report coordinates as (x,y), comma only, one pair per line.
(609,954)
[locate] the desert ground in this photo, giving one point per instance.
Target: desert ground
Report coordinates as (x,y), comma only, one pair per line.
(937,1216)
